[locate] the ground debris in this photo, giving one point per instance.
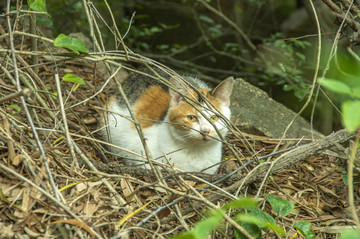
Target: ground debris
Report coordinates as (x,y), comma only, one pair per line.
(315,185)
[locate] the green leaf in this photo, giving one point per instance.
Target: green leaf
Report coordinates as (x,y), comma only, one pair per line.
(240,203)
(351,115)
(204,227)
(356,92)
(73,78)
(305,230)
(261,221)
(306,43)
(215,31)
(335,85)
(280,205)
(301,93)
(69,43)
(287,87)
(231,44)
(301,56)
(169,27)
(262,215)
(345,180)
(15,107)
(206,19)
(162,46)
(155,29)
(38,5)
(239,10)
(353,234)
(252,229)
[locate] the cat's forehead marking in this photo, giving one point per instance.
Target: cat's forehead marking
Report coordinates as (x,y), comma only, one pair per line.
(198,95)
(213,101)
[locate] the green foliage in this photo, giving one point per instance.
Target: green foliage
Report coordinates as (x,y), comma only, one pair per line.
(240,203)
(344,81)
(70,43)
(280,205)
(351,114)
(305,229)
(68,16)
(351,234)
(260,219)
(345,177)
(73,78)
(204,227)
(252,219)
(38,5)
(140,35)
(335,86)
(251,228)
(350,108)
(15,109)
(286,62)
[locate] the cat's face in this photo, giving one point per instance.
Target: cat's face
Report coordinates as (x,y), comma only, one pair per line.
(197,122)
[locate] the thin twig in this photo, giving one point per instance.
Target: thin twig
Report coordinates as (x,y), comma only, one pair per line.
(99,91)
(66,128)
(24,105)
(119,199)
(45,193)
(131,21)
(24,92)
(117,30)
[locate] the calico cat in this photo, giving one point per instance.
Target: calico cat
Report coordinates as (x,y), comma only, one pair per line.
(170,124)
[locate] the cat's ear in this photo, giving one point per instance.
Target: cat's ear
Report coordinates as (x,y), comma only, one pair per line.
(223,90)
(175,96)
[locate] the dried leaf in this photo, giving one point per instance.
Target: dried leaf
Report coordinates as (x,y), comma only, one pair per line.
(82,225)
(5,200)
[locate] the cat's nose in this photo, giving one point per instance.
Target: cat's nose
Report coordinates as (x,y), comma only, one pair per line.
(204,132)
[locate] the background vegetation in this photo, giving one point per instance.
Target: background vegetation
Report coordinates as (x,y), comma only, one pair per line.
(268,43)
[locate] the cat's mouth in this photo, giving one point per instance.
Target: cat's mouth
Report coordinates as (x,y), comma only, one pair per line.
(206,138)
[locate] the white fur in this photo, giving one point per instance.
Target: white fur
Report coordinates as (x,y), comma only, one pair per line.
(186,151)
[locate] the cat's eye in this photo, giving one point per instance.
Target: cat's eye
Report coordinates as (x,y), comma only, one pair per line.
(214,118)
(192,118)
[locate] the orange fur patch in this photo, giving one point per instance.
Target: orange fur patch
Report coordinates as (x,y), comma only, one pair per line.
(151,106)
(177,115)
(214,102)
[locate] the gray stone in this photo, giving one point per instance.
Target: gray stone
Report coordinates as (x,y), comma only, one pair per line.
(255,112)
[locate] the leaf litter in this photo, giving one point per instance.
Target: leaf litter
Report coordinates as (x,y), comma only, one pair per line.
(315,186)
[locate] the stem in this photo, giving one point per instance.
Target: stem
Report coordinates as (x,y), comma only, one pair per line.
(350,178)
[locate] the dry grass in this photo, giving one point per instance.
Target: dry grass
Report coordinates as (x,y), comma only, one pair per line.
(49,190)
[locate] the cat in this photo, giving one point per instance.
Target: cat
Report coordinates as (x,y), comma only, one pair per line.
(170,124)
